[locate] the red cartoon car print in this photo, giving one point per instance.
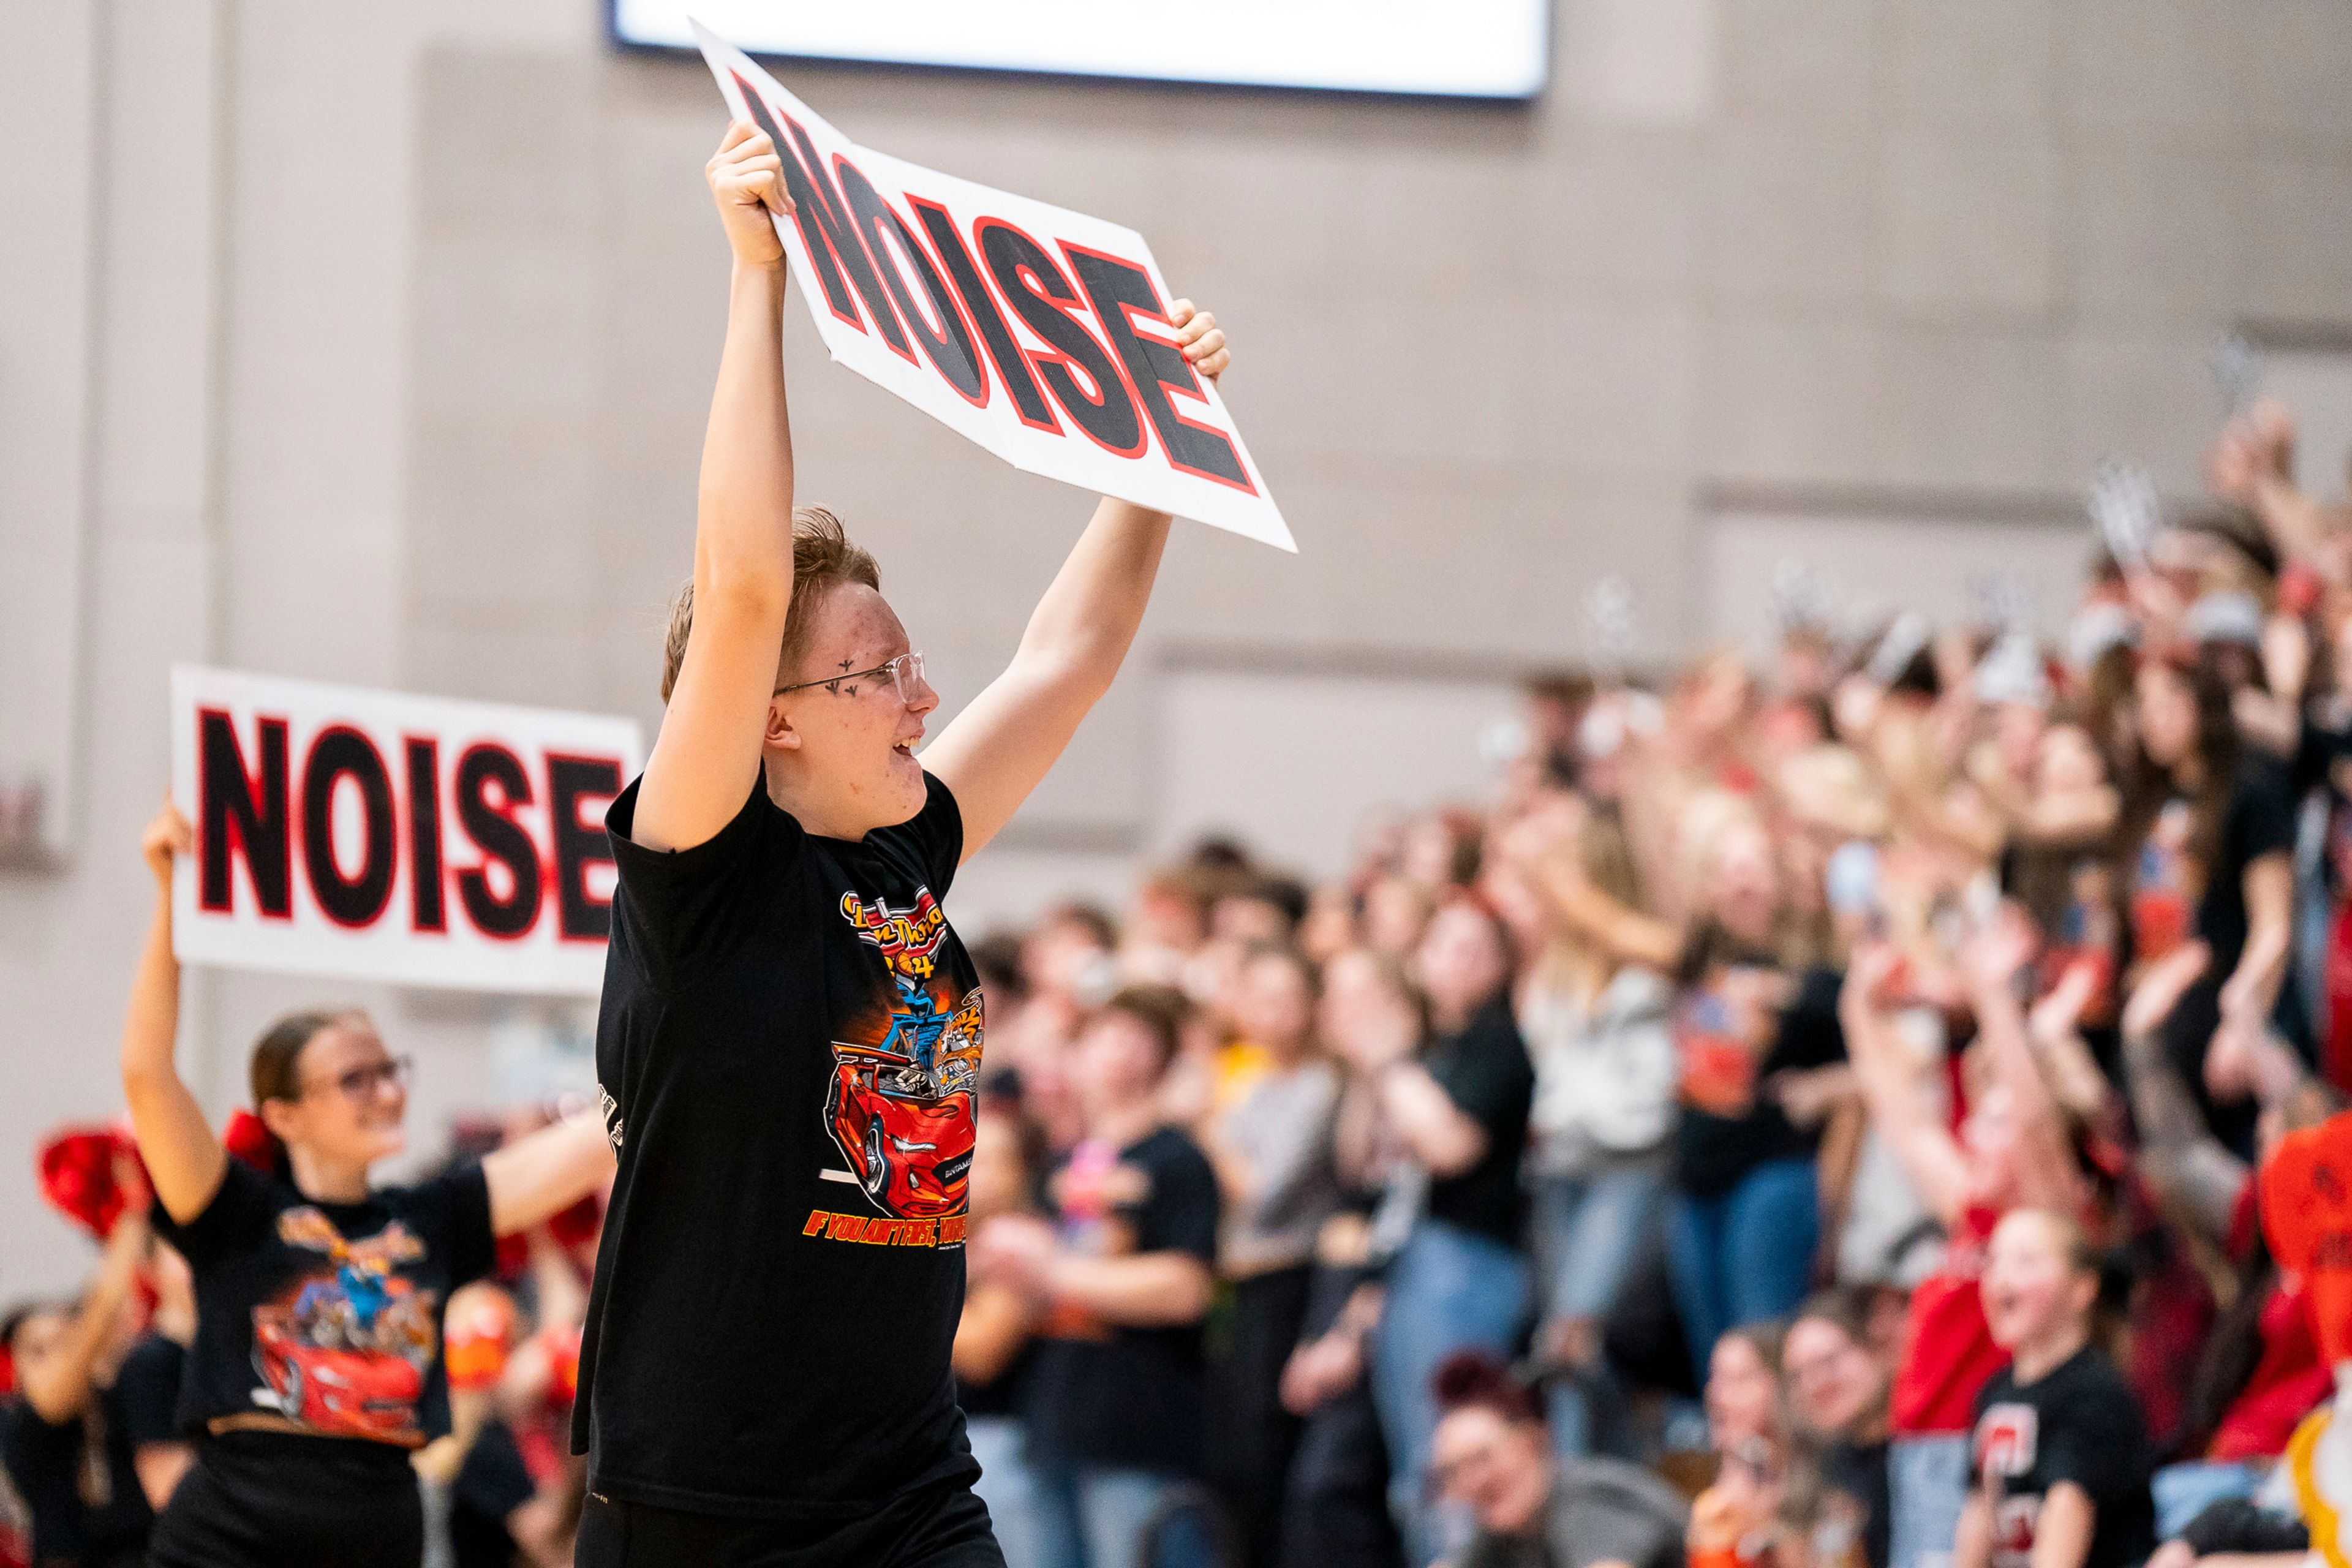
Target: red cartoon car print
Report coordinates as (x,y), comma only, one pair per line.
(357,1393)
(910,1151)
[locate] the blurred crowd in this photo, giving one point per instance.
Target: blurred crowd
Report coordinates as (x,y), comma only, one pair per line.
(1876,1108)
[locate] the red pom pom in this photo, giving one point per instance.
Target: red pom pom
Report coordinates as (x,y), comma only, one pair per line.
(78,1176)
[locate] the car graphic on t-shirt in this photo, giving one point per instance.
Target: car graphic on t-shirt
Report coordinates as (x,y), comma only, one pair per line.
(901,1108)
(352,1393)
(344,1350)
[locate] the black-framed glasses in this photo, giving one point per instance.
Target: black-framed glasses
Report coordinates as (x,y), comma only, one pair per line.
(364,1083)
(906,672)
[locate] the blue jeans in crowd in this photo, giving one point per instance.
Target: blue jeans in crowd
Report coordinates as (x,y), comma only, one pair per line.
(1926,1487)
(1587,1232)
(1448,1289)
(1743,1256)
(2183,1492)
(1096,1516)
(1006,1486)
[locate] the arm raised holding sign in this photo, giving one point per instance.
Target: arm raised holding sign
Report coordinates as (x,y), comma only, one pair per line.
(325,1086)
(999,748)
(785,614)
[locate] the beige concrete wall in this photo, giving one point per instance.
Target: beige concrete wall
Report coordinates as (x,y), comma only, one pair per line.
(391,331)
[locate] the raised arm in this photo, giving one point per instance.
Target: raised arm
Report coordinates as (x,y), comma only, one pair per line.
(1000,747)
(547,1172)
(184,1156)
(2185,1163)
(708,754)
(57,1384)
(1929,1154)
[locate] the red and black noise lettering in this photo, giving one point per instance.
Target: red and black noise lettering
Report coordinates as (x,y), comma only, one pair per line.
(570,781)
(338,752)
(1012,365)
(426,912)
(951,349)
(1043,296)
(825,227)
(1118,290)
(491,825)
(239,811)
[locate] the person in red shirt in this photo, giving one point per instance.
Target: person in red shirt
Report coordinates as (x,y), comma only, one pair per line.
(2010,1151)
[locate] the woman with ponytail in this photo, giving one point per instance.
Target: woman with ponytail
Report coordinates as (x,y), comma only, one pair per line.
(316,1369)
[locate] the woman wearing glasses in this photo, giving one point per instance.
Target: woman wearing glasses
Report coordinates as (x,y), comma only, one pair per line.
(316,1369)
(790,1035)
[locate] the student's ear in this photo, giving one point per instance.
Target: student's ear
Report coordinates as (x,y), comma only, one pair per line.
(780,736)
(279,1116)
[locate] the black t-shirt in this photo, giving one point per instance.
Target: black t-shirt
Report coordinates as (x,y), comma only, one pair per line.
(82,1511)
(789,1048)
(2261,821)
(328,1315)
(1859,1471)
(2078,1423)
(1134,1397)
(1485,1072)
(1733,1125)
(491,1483)
(147,1390)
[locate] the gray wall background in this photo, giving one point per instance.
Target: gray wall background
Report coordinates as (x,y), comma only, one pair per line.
(372,343)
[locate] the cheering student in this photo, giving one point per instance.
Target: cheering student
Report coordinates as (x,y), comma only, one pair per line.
(2061,1455)
(790,1035)
(316,1367)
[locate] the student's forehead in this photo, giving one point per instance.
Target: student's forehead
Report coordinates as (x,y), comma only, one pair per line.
(346,1040)
(858,620)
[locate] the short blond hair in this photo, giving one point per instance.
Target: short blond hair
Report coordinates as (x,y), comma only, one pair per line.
(822,558)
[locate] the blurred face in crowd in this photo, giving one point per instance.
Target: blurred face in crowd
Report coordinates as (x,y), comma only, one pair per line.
(1276,1007)
(854,740)
(1743,884)
(1990,1135)
(1497,1468)
(38,1340)
(1430,851)
(1249,920)
(2068,763)
(2033,1292)
(998,1175)
(1064,959)
(2017,731)
(1462,962)
(1165,917)
(1739,1394)
(351,1097)
(1115,1063)
(1362,1008)
(1395,910)
(2166,713)
(1833,1383)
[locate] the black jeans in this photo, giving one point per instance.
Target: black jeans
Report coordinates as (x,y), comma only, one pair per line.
(1255,1437)
(267,1500)
(931,1527)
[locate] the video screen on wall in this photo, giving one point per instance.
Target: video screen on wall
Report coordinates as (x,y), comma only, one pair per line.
(1448,48)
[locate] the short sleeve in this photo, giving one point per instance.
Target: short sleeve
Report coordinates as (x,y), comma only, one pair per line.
(675,903)
(2261,817)
(936,835)
(147,1392)
(1811,1034)
(1179,1215)
(238,1218)
(2097,1446)
(1488,1076)
(453,1214)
